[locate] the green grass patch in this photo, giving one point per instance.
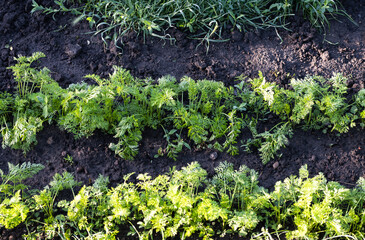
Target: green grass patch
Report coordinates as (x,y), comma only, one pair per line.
(205,19)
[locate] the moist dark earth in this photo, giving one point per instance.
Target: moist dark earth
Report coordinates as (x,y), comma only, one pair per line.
(72,52)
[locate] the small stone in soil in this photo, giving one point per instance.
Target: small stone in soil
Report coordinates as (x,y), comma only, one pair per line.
(72,50)
(63,153)
(50,141)
(275,165)
(213,156)
(80,169)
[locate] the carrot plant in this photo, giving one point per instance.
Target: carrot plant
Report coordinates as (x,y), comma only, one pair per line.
(210,114)
(30,106)
(87,108)
(175,144)
(15,200)
(183,204)
(360,106)
(314,102)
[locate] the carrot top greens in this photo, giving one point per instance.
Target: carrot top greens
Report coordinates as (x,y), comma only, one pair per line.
(184,204)
(199,114)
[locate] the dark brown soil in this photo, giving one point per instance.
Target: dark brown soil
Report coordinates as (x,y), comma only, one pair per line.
(71,54)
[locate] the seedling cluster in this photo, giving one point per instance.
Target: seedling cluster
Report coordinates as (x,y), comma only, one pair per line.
(200,114)
(204,19)
(183,204)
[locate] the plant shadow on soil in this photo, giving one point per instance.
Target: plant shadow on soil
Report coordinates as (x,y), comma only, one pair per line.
(71,54)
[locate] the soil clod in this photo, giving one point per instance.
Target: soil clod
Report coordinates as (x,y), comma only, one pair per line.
(73,50)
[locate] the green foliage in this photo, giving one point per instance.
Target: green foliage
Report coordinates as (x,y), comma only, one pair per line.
(129,135)
(29,106)
(77,209)
(244,222)
(23,134)
(232,133)
(314,206)
(87,108)
(198,128)
(13,211)
(360,106)
(321,103)
(174,146)
(162,97)
(62,182)
(208,113)
(172,204)
(6,102)
(317,12)
(14,206)
(16,175)
(45,200)
(113,19)
(45,203)
(185,203)
(236,185)
(274,141)
(269,142)
(29,79)
(101,183)
(314,102)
